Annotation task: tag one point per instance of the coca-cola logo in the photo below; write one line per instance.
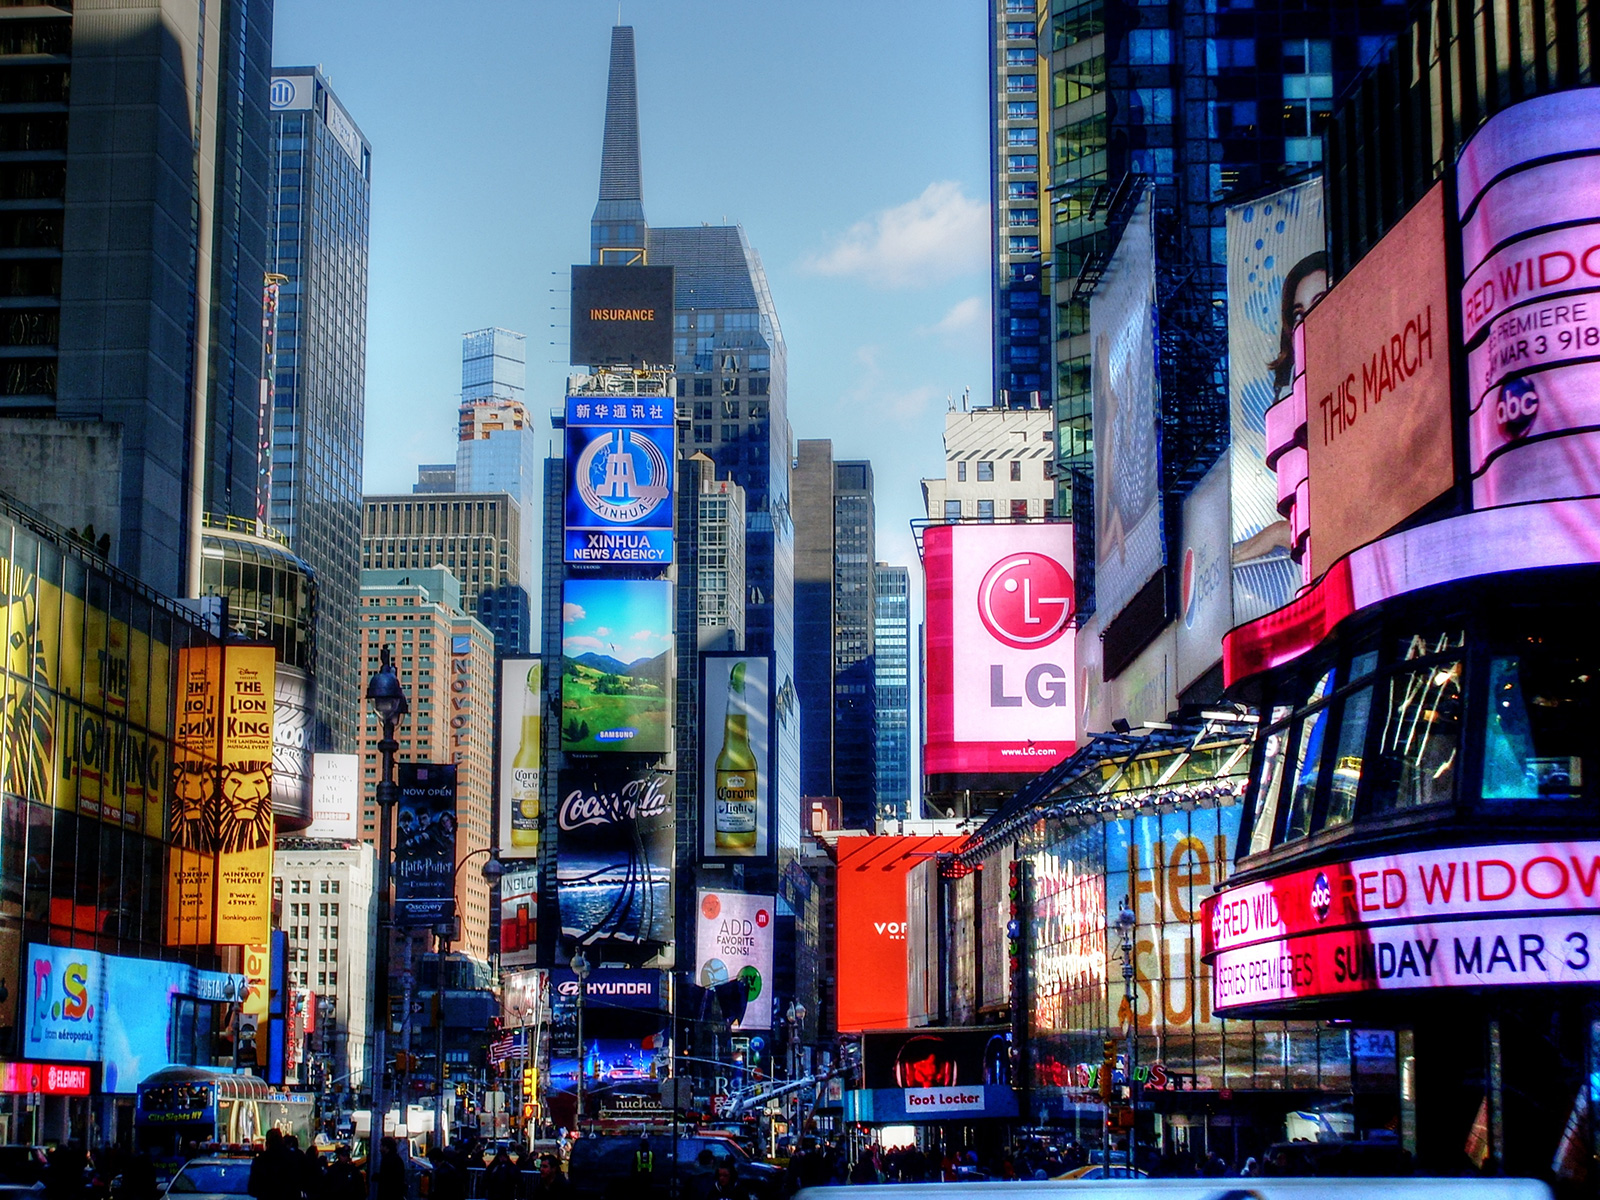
(636, 800)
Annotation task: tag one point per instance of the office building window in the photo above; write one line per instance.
(1026, 243)
(985, 510)
(1022, 56)
(1022, 84)
(759, 387)
(1222, 53)
(1022, 137)
(1022, 216)
(702, 387)
(1016, 472)
(730, 385)
(961, 472)
(1027, 189)
(952, 510)
(1021, 30)
(985, 471)
(1022, 110)
(702, 434)
(1152, 46)
(1023, 163)
(1019, 510)
(1152, 106)
(730, 433)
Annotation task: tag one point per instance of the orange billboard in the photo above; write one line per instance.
(244, 809)
(191, 871)
(219, 881)
(1377, 352)
(870, 925)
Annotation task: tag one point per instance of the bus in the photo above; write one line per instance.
(181, 1109)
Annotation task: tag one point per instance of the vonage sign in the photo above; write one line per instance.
(1000, 601)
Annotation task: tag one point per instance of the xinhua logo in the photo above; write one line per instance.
(1025, 600)
(623, 476)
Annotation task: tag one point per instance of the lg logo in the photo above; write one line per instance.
(1025, 601)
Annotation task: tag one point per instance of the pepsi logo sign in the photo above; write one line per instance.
(1187, 596)
(1026, 600)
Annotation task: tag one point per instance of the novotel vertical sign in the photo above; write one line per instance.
(1000, 601)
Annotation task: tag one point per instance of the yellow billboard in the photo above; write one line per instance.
(192, 828)
(244, 810)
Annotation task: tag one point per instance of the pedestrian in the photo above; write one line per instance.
(644, 1163)
(391, 1171)
(343, 1180)
(725, 1183)
(503, 1179)
(139, 1179)
(267, 1170)
(550, 1181)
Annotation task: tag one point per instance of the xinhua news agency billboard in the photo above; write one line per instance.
(1000, 652)
(621, 316)
(620, 456)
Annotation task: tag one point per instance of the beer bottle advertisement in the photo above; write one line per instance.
(521, 755)
(735, 784)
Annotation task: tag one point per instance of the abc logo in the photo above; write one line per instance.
(1516, 408)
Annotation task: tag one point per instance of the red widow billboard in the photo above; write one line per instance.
(1000, 601)
(871, 926)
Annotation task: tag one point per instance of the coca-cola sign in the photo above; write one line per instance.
(636, 799)
(614, 860)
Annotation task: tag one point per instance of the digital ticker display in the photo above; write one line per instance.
(619, 480)
(621, 316)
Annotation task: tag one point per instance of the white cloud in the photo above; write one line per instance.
(644, 634)
(572, 612)
(603, 631)
(967, 321)
(582, 643)
(877, 390)
(941, 234)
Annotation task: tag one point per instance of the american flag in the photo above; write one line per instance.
(508, 1047)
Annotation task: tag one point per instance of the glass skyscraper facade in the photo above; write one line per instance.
(891, 667)
(854, 618)
(1206, 103)
(494, 365)
(496, 450)
(321, 218)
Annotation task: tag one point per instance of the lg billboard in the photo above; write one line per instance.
(1000, 601)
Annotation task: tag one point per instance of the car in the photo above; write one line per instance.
(602, 1166)
(22, 1164)
(1101, 1171)
(214, 1177)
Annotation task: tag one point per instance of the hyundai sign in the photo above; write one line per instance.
(1000, 602)
(620, 457)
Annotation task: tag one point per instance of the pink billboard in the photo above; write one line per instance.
(1466, 917)
(1528, 196)
(1000, 664)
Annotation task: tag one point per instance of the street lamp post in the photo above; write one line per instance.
(580, 968)
(388, 700)
(1126, 922)
(796, 1016)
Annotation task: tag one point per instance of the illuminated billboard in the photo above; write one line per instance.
(870, 927)
(1527, 187)
(425, 846)
(1000, 647)
(335, 797)
(1483, 916)
(733, 940)
(1205, 594)
(521, 752)
(927, 1058)
(244, 828)
(1277, 268)
(621, 316)
(1129, 544)
(736, 792)
(1378, 439)
(620, 460)
(615, 843)
(191, 870)
(519, 913)
(616, 668)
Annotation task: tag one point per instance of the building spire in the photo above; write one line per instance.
(621, 190)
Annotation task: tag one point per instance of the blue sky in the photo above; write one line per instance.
(628, 623)
(847, 136)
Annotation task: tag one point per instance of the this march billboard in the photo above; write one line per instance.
(1000, 659)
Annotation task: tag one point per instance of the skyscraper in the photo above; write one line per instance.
(729, 356)
(495, 447)
(855, 609)
(1016, 198)
(321, 217)
(477, 537)
(136, 226)
(891, 665)
(836, 610)
(1204, 106)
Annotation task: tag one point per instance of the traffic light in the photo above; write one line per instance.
(461, 1091)
(402, 1061)
(528, 1078)
(1108, 1071)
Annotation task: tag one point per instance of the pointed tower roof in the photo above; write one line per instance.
(621, 189)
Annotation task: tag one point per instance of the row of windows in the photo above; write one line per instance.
(1016, 510)
(985, 467)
